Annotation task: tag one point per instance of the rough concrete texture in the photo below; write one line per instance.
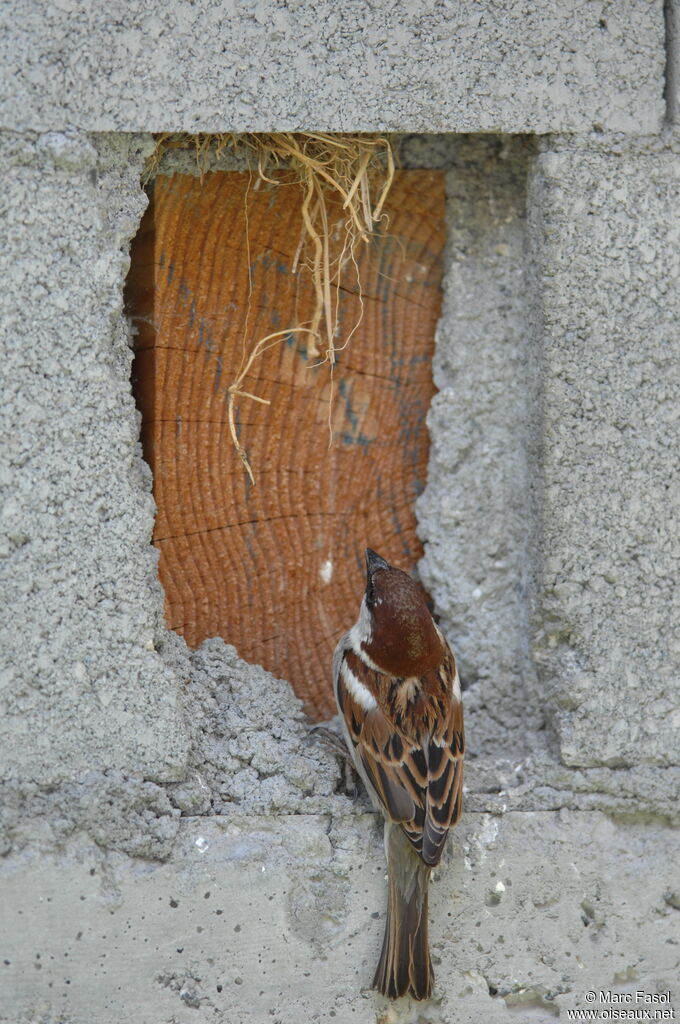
(338, 66)
(82, 687)
(478, 515)
(606, 240)
(252, 746)
(177, 847)
(672, 92)
(280, 919)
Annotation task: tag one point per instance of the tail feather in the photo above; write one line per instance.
(404, 966)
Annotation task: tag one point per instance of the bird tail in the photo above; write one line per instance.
(404, 965)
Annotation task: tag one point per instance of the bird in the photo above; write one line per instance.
(399, 698)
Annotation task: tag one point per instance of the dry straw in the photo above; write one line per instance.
(354, 170)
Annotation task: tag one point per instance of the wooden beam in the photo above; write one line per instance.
(277, 569)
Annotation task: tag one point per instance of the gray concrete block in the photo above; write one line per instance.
(479, 514)
(606, 239)
(511, 66)
(83, 688)
(281, 919)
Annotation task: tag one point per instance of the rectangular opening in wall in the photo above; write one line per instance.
(338, 455)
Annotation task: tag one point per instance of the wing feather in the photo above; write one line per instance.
(445, 785)
(416, 780)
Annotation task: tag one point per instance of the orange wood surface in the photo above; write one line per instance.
(277, 569)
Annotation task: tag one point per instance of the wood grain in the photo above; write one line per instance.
(277, 569)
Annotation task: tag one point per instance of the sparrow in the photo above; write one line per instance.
(398, 694)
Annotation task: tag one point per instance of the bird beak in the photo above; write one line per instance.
(373, 562)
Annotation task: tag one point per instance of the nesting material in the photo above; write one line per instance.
(358, 170)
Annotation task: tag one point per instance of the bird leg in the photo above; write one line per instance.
(348, 782)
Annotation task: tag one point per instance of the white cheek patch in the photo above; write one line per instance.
(362, 630)
(362, 633)
(356, 638)
(361, 694)
(456, 687)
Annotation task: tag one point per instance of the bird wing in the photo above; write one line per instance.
(442, 753)
(380, 751)
(415, 781)
(377, 748)
(445, 781)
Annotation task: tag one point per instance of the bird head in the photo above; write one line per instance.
(396, 630)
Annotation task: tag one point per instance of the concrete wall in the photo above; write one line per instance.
(176, 848)
(335, 65)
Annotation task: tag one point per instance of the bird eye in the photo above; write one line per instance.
(370, 593)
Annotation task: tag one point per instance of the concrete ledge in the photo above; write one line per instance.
(281, 919)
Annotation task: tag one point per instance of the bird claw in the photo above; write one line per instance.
(329, 738)
(349, 778)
